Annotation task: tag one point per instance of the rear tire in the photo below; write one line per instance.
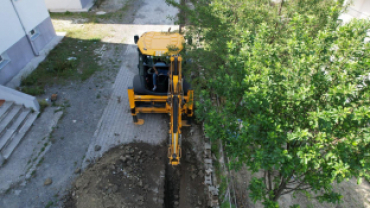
(138, 85)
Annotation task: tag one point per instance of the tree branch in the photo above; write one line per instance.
(269, 179)
(276, 24)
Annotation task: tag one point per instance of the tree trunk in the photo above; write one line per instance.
(277, 192)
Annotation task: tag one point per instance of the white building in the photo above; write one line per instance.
(25, 30)
(69, 5)
(358, 9)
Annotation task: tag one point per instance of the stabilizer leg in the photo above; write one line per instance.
(131, 98)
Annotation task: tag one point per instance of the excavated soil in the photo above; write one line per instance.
(137, 175)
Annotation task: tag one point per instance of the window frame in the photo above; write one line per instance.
(35, 35)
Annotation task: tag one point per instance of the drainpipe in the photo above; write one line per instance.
(34, 50)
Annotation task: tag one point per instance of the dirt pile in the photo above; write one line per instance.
(138, 175)
(126, 176)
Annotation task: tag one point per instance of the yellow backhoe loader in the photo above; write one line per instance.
(165, 92)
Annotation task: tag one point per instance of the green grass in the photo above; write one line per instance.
(33, 90)
(80, 42)
(56, 69)
(40, 162)
(8, 191)
(49, 204)
(42, 103)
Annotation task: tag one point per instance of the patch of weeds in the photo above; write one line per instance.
(61, 138)
(61, 66)
(227, 204)
(40, 161)
(98, 96)
(215, 150)
(57, 110)
(28, 169)
(66, 104)
(34, 159)
(33, 90)
(49, 204)
(42, 149)
(310, 205)
(46, 144)
(56, 195)
(75, 163)
(43, 104)
(33, 173)
(8, 191)
(29, 161)
(62, 116)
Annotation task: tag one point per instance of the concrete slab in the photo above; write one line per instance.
(29, 151)
(19, 98)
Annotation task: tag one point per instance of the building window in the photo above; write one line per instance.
(4, 60)
(34, 34)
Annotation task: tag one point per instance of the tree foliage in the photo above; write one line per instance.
(297, 80)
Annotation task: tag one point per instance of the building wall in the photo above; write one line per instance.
(46, 34)
(11, 30)
(365, 9)
(32, 13)
(20, 46)
(84, 3)
(359, 8)
(19, 54)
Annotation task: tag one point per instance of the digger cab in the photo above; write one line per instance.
(156, 48)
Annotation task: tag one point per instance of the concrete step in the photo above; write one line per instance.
(9, 118)
(12, 145)
(12, 130)
(4, 108)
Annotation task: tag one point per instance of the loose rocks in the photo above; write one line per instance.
(48, 181)
(97, 147)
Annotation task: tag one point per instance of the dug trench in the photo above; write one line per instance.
(138, 175)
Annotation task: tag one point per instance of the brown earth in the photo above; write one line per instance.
(126, 176)
(137, 175)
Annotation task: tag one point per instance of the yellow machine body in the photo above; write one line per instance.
(160, 43)
(176, 102)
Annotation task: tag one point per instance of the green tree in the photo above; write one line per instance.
(298, 81)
